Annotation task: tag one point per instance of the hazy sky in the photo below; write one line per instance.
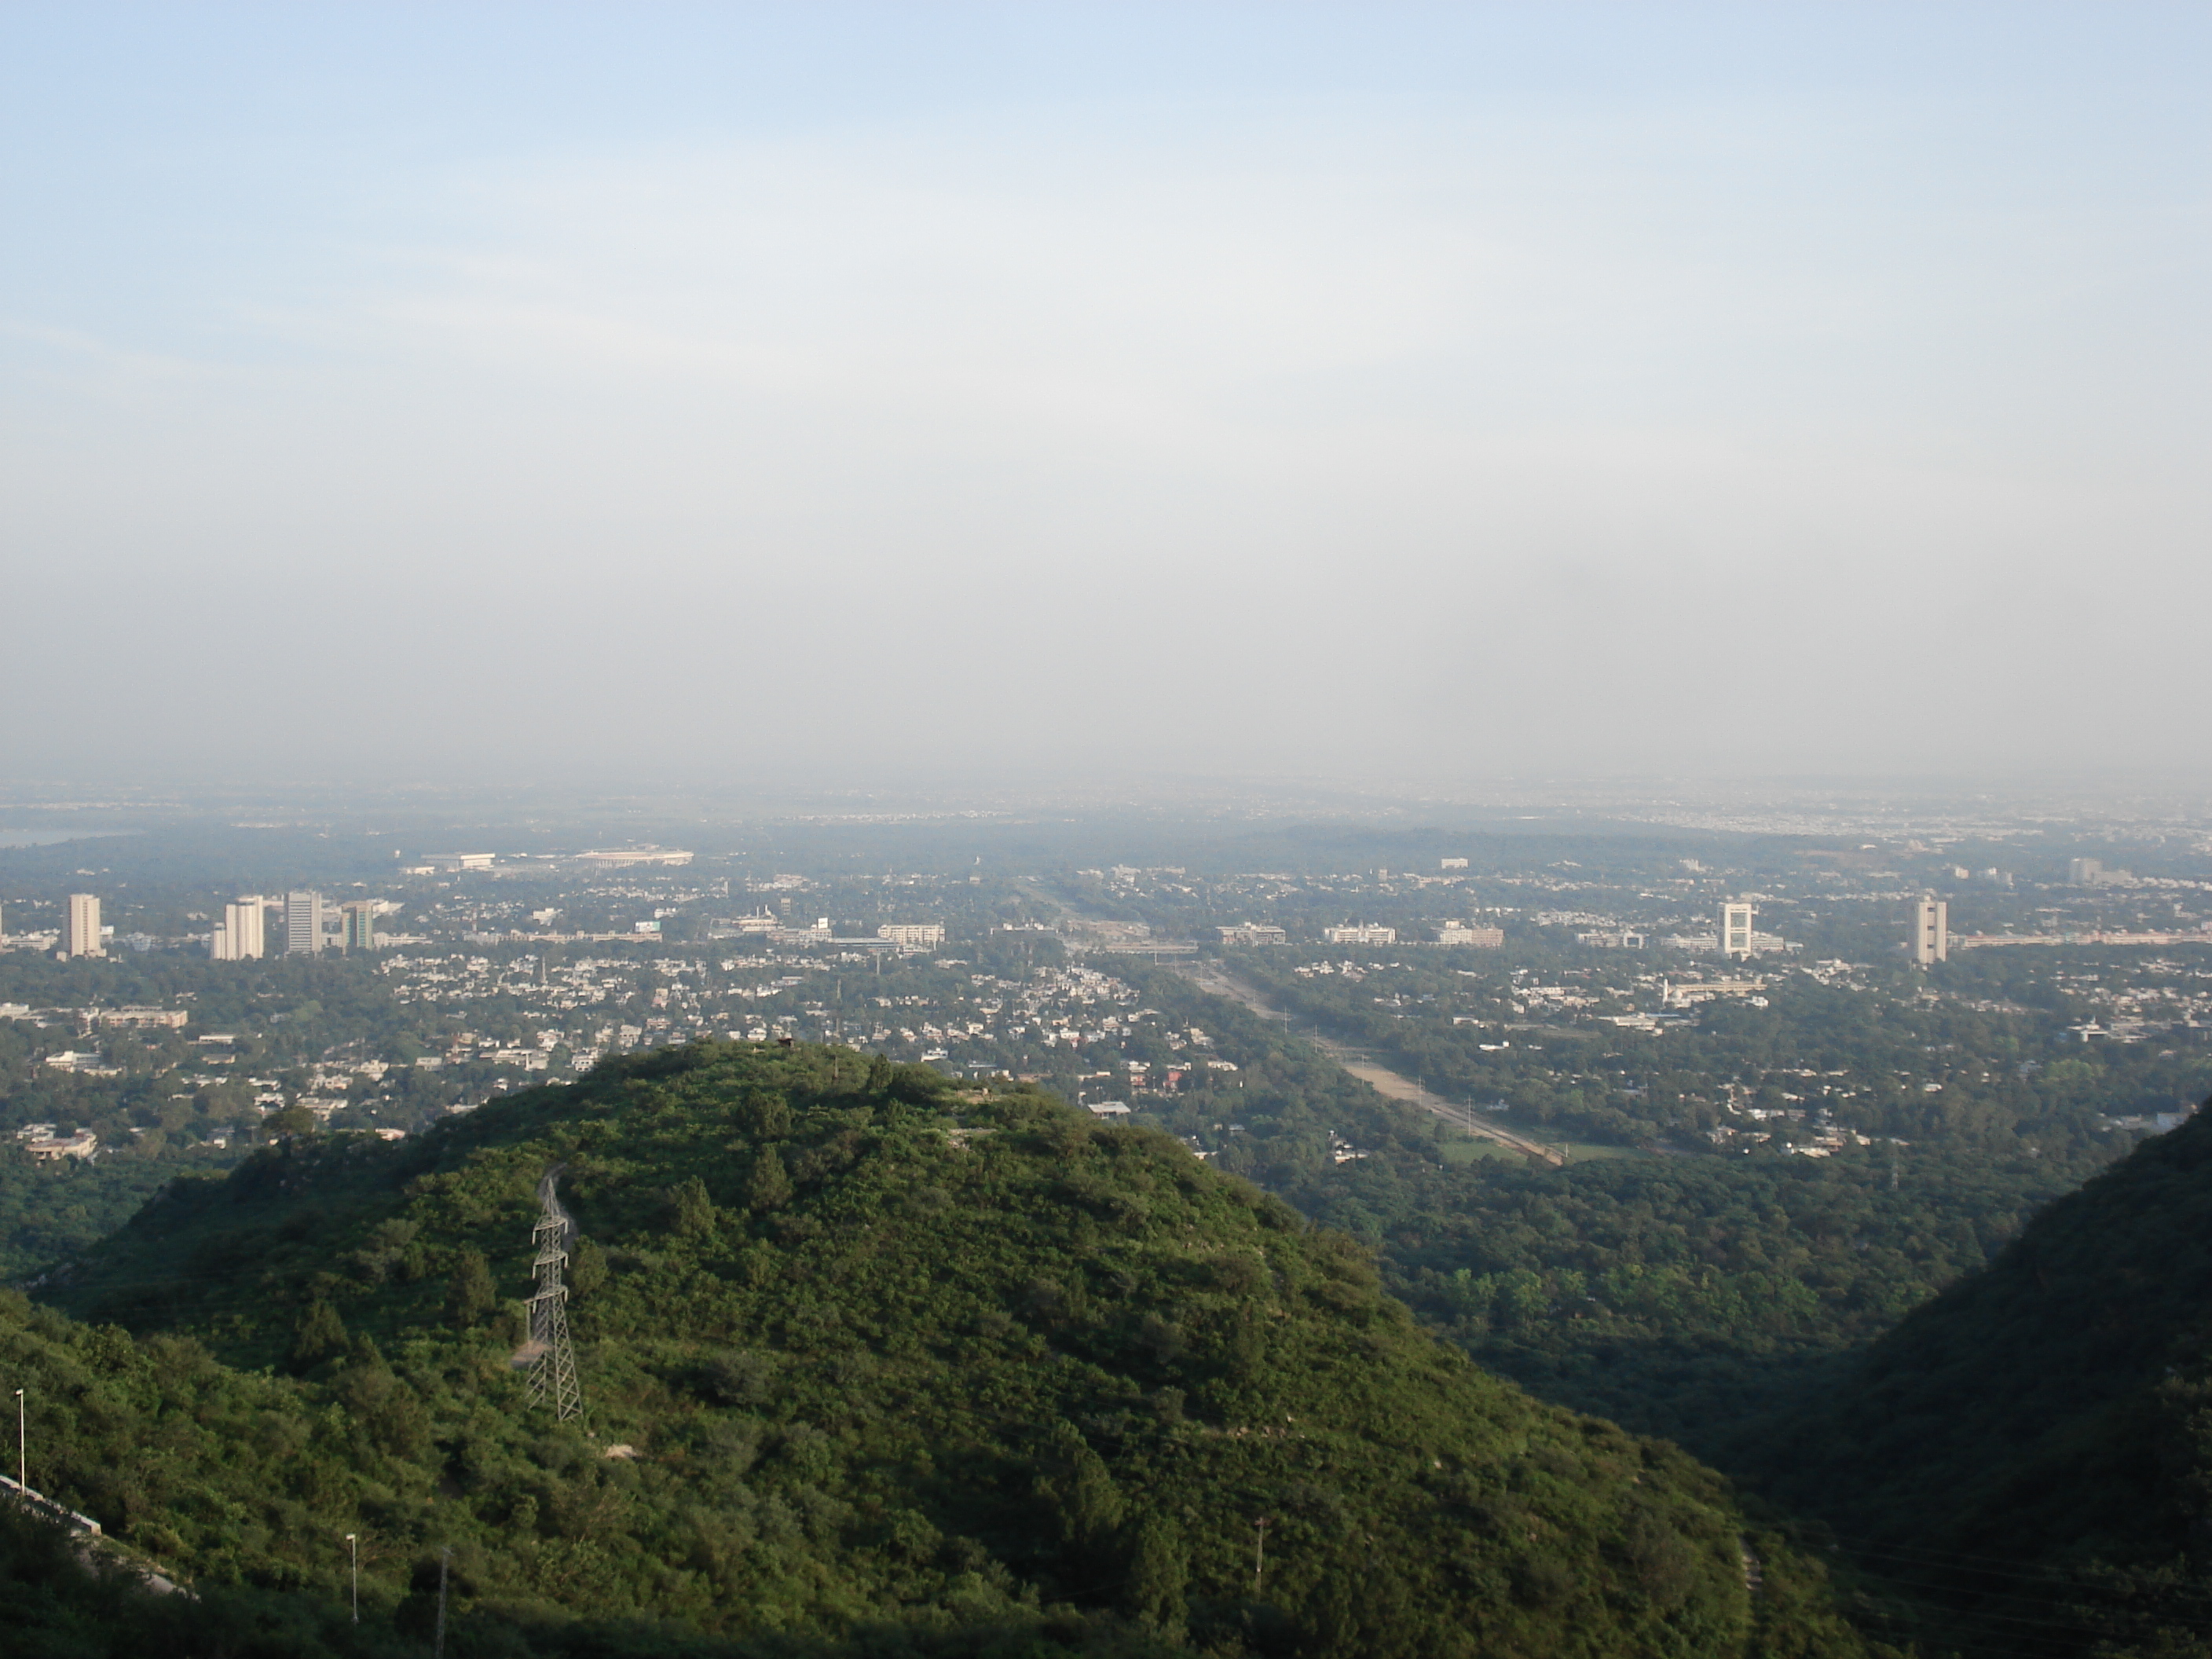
(1368, 391)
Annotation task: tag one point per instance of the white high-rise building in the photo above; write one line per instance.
(248, 922)
(1736, 937)
(1931, 932)
(80, 926)
(303, 924)
(242, 935)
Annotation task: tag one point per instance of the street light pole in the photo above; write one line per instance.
(353, 1544)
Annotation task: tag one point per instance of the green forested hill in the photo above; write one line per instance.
(2031, 1452)
(857, 1349)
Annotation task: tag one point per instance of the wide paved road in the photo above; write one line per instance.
(1212, 976)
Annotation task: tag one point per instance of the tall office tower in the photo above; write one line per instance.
(303, 924)
(2084, 872)
(80, 927)
(247, 920)
(1735, 930)
(360, 924)
(242, 936)
(1931, 932)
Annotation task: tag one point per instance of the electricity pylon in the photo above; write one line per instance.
(553, 1361)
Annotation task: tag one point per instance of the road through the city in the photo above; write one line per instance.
(1213, 977)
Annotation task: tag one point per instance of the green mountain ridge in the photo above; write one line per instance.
(859, 1351)
(2028, 1456)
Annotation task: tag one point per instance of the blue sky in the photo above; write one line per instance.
(1384, 393)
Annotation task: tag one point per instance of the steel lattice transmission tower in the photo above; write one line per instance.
(552, 1361)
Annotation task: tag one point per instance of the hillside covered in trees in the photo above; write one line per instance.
(2028, 1456)
(858, 1349)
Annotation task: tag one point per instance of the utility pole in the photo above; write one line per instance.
(1260, 1555)
(444, 1556)
(22, 1454)
(353, 1544)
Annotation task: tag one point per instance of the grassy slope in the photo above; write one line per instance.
(870, 1373)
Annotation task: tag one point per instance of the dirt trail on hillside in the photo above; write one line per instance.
(1213, 977)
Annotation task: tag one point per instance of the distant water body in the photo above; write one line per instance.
(51, 837)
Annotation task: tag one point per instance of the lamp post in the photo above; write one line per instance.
(353, 1546)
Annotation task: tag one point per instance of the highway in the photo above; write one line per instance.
(1212, 978)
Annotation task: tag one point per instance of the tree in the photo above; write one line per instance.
(694, 1208)
(1079, 1487)
(470, 1295)
(769, 1186)
(587, 1268)
(319, 1335)
(1157, 1573)
(293, 1119)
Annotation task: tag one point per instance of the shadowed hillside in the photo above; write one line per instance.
(2030, 1453)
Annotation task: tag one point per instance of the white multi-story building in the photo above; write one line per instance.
(1365, 934)
(912, 935)
(242, 934)
(1931, 932)
(173, 1019)
(1612, 939)
(80, 926)
(1736, 937)
(303, 924)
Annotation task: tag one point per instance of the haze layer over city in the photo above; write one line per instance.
(1215, 831)
(1383, 393)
